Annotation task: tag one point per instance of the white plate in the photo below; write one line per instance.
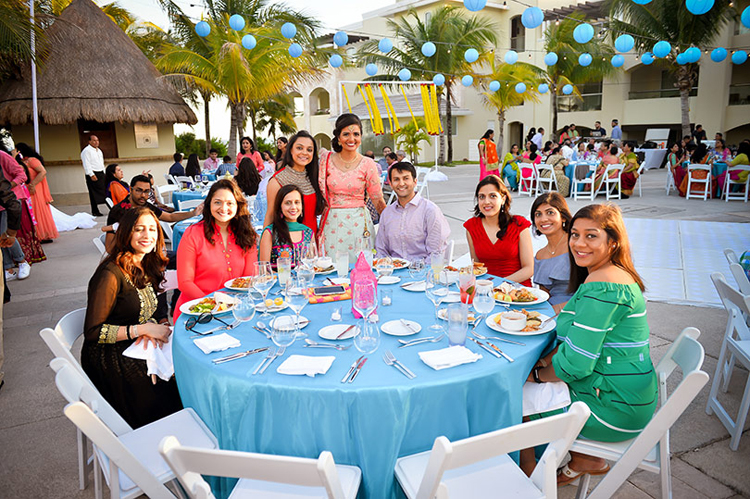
(406, 263)
(228, 284)
(185, 308)
(541, 297)
(395, 328)
(389, 279)
(327, 272)
(416, 288)
(339, 281)
(480, 275)
(261, 307)
(443, 314)
(286, 322)
(333, 331)
(453, 297)
(490, 321)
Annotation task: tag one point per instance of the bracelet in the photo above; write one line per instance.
(127, 331)
(135, 331)
(535, 375)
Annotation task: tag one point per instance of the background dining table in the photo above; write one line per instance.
(181, 196)
(369, 423)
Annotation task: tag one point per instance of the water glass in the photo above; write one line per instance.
(284, 330)
(364, 245)
(284, 268)
(368, 339)
(416, 268)
(342, 263)
(484, 300)
(309, 255)
(384, 267)
(306, 275)
(244, 309)
(457, 323)
(436, 262)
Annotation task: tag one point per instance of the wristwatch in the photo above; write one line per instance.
(535, 374)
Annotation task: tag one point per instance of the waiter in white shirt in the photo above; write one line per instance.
(93, 165)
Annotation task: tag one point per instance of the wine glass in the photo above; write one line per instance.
(365, 298)
(205, 180)
(416, 268)
(368, 339)
(244, 309)
(436, 291)
(297, 299)
(263, 281)
(309, 255)
(283, 331)
(384, 267)
(484, 301)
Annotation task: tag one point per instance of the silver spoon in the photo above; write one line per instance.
(315, 344)
(495, 338)
(421, 341)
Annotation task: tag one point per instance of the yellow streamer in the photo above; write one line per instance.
(436, 109)
(416, 125)
(387, 109)
(343, 87)
(426, 106)
(395, 125)
(367, 105)
(375, 111)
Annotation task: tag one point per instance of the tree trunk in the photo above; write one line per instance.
(553, 132)
(500, 133)
(685, 83)
(206, 119)
(252, 124)
(449, 119)
(441, 138)
(235, 122)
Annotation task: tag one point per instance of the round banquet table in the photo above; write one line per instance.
(180, 196)
(368, 423)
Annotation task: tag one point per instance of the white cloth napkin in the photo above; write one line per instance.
(448, 357)
(297, 365)
(216, 343)
(542, 397)
(158, 360)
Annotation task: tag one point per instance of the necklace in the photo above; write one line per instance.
(348, 163)
(556, 246)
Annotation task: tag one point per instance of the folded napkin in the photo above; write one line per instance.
(448, 357)
(297, 365)
(216, 343)
(542, 397)
(158, 360)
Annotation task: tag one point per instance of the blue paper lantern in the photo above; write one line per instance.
(693, 54)
(532, 17)
(739, 57)
(583, 33)
(438, 80)
(371, 69)
(718, 54)
(249, 42)
(624, 43)
(543, 88)
(568, 89)
(494, 86)
(335, 61)
(295, 50)
(520, 88)
(202, 28)
(745, 18)
(475, 5)
(340, 38)
(642, 2)
(511, 57)
(585, 59)
(681, 59)
(288, 30)
(550, 59)
(385, 45)
(404, 75)
(237, 22)
(467, 80)
(428, 49)
(699, 7)
(647, 58)
(662, 49)
(618, 61)
(471, 55)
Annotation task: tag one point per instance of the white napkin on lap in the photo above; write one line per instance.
(158, 360)
(216, 342)
(542, 397)
(448, 357)
(297, 365)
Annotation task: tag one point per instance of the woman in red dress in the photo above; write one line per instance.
(498, 239)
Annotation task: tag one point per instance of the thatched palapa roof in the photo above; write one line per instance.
(93, 72)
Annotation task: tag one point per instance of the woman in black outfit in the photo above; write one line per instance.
(247, 177)
(193, 167)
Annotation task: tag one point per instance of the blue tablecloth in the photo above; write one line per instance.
(369, 423)
(179, 228)
(180, 196)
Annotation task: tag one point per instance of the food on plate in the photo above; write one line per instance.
(450, 268)
(533, 320)
(512, 321)
(278, 301)
(509, 293)
(241, 282)
(323, 269)
(397, 263)
(479, 268)
(205, 305)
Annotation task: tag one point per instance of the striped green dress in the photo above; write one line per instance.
(603, 356)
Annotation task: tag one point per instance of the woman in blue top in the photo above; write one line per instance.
(286, 232)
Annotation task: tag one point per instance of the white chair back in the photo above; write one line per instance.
(741, 194)
(183, 179)
(189, 204)
(638, 182)
(528, 183)
(163, 190)
(706, 182)
(613, 185)
(737, 271)
(99, 244)
(546, 177)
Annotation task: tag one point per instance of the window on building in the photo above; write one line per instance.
(517, 34)
(590, 99)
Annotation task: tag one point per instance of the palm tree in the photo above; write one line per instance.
(274, 114)
(15, 41)
(671, 21)
(409, 138)
(506, 97)
(559, 39)
(453, 33)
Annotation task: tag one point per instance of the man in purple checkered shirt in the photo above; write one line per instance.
(412, 227)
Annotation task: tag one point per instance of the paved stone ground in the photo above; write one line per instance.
(37, 443)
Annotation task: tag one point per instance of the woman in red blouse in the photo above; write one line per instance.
(498, 239)
(221, 247)
(247, 150)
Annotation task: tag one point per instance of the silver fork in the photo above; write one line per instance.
(422, 340)
(279, 353)
(389, 357)
(270, 354)
(314, 344)
(389, 362)
(219, 328)
(495, 338)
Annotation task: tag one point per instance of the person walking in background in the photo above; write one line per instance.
(488, 160)
(616, 131)
(537, 138)
(92, 159)
(39, 190)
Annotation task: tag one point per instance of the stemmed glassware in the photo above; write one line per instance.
(263, 281)
(365, 302)
(297, 299)
(384, 267)
(309, 255)
(436, 291)
(416, 268)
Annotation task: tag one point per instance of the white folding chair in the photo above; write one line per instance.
(129, 458)
(528, 183)
(163, 192)
(728, 183)
(261, 475)
(650, 449)
(638, 182)
(736, 344)
(189, 204)
(612, 186)
(582, 193)
(737, 271)
(423, 187)
(670, 179)
(166, 227)
(99, 242)
(546, 177)
(706, 182)
(479, 466)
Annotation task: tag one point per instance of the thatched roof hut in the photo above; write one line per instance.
(94, 72)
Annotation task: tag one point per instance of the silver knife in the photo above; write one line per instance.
(411, 283)
(351, 369)
(495, 338)
(408, 326)
(406, 369)
(506, 357)
(238, 355)
(357, 370)
(485, 347)
(415, 342)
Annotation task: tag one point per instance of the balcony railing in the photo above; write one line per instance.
(739, 94)
(664, 93)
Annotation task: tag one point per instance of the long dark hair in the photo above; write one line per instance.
(240, 225)
(609, 218)
(279, 153)
(312, 167)
(247, 177)
(532, 151)
(555, 200)
(252, 145)
(151, 270)
(532, 132)
(504, 217)
(280, 227)
(109, 177)
(700, 152)
(343, 121)
(744, 148)
(193, 166)
(488, 133)
(28, 152)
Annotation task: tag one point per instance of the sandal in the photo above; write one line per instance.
(567, 475)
